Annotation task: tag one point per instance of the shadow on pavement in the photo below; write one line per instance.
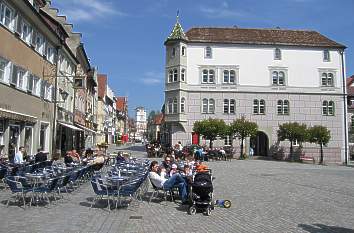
(320, 228)
(134, 148)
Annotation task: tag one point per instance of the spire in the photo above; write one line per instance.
(177, 31)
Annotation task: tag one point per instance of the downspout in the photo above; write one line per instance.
(344, 109)
(54, 132)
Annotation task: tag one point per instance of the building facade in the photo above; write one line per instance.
(268, 76)
(27, 63)
(141, 123)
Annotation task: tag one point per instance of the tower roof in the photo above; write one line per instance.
(177, 32)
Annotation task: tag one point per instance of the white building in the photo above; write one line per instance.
(269, 76)
(141, 123)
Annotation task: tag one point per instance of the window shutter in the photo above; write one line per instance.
(14, 75)
(18, 21)
(45, 47)
(43, 87)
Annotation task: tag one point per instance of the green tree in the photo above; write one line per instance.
(293, 132)
(210, 129)
(320, 135)
(243, 128)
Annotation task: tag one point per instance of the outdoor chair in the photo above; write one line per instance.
(49, 187)
(17, 189)
(157, 191)
(101, 190)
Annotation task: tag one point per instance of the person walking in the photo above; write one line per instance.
(251, 152)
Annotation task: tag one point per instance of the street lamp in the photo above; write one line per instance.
(64, 95)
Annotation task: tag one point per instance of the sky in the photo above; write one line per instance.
(124, 39)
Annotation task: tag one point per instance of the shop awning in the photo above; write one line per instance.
(70, 126)
(86, 129)
(16, 115)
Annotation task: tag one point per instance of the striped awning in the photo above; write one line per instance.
(8, 114)
(86, 129)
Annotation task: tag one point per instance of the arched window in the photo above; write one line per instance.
(205, 106)
(330, 80)
(226, 76)
(226, 106)
(211, 76)
(205, 76)
(283, 107)
(211, 105)
(324, 79)
(175, 105)
(325, 108)
(170, 106)
(280, 107)
(286, 107)
(281, 78)
(170, 76)
(261, 107)
(277, 54)
(255, 106)
(275, 77)
(183, 104)
(208, 52)
(183, 75)
(232, 76)
(331, 108)
(175, 75)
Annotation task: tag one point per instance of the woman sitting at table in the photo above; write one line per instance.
(68, 160)
(160, 181)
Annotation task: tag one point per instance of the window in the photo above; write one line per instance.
(183, 75)
(211, 106)
(39, 43)
(278, 78)
(50, 53)
(183, 104)
(173, 52)
(205, 106)
(327, 79)
(208, 106)
(6, 16)
(227, 141)
(175, 75)
(36, 86)
(170, 106)
(208, 52)
(326, 56)
(19, 78)
(208, 76)
(183, 51)
(229, 76)
(26, 32)
(170, 76)
(328, 108)
(43, 88)
(283, 107)
(277, 54)
(258, 106)
(4, 70)
(49, 92)
(175, 105)
(229, 106)
(30, 83)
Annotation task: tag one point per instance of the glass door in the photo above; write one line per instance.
(29, 139)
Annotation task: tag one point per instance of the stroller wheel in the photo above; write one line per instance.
(208, 211)
(192, 210)
(227, 204)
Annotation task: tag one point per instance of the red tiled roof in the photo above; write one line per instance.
(260, 36)
(102, 85)
(158, 119)
(121, 103)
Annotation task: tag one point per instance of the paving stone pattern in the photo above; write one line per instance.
(266, 196)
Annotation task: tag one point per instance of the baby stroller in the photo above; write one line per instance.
(201, 193)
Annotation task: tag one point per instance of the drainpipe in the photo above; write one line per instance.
(54, 132)
(344, 108)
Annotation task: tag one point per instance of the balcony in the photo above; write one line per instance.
(176, 86)
(176, 117)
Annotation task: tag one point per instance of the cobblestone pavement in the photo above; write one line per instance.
(266, 196)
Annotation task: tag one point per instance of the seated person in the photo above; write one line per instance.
(160, 181)
(167, 164)
(75, 156)
(99, 158)
(187, 171)
(56, 161)
(173, 169)
(120, 157)
(40, 156)
(68, 160)
(88, 153)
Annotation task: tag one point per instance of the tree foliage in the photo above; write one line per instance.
(293, 132)
(320, 135)
(210, 129)
(243, 128)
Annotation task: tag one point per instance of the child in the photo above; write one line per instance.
(173, 169)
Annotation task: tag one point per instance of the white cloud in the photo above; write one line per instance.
(88, 10)
(152, 78)
(222, 11)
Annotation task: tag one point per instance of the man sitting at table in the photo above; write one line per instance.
(160, 181)
(19, 156)
(40, 156)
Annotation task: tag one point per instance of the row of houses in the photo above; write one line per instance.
(269, 76)
(51, 96)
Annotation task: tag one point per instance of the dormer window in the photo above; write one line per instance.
(208, 52)
(183, 51)
(326, 56)
(277, 54)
